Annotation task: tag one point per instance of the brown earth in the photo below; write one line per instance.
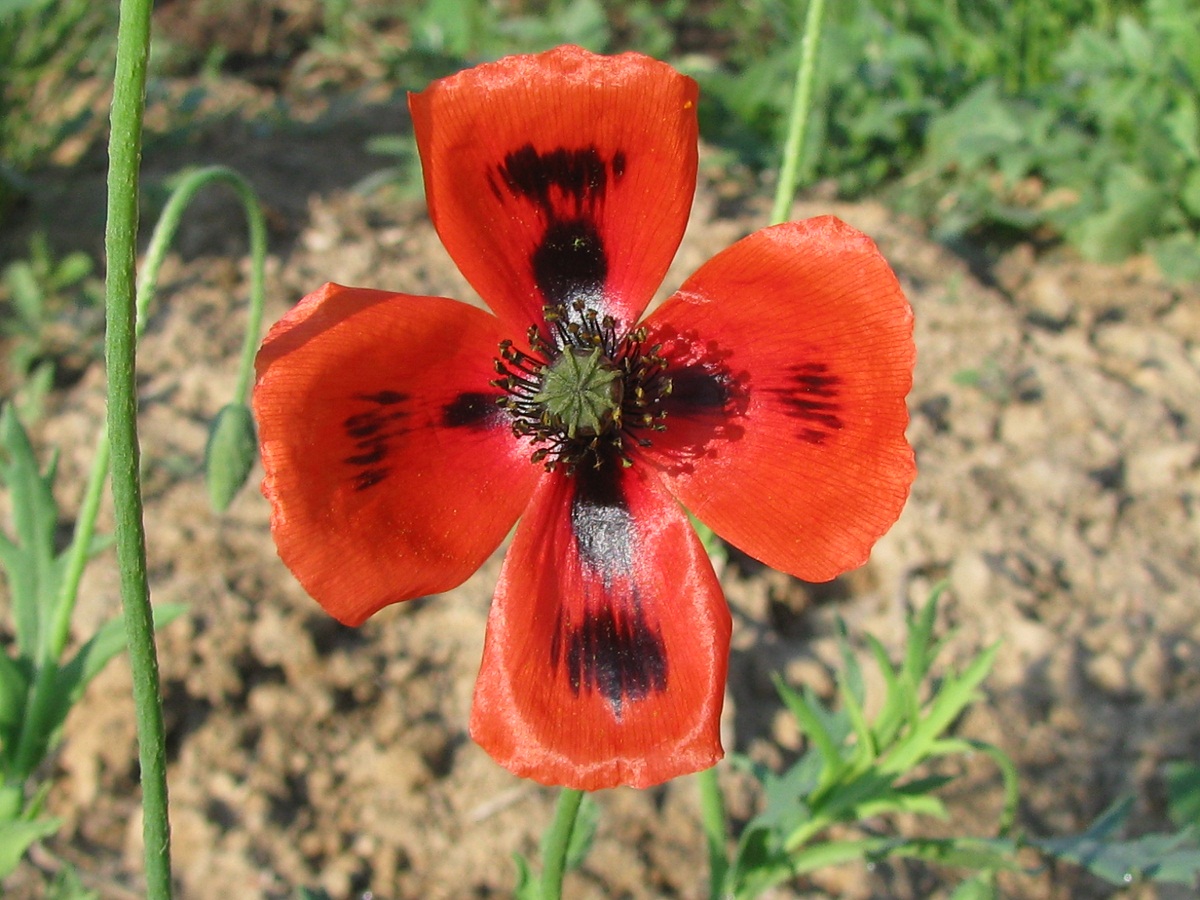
(1054, 415)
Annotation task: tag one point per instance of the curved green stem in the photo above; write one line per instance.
(712, 817)
(557, 841)
(793, 148)
(164, 236)
(125, 143)
(147, 286)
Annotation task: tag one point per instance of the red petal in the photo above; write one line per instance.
(559, 177)
(391, 472)
(790, 354)
(608, 640)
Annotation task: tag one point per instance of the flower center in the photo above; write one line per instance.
(582, 395)
(581, 392)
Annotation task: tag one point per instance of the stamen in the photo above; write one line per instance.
(578, 393)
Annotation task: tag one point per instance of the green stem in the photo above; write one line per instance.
(712, 816)
(160, 242)
(124, 153)
(164, 237)
(558, 839)
(793, 148)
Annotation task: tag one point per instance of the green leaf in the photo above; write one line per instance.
(587, 818)
(16, 837)
(978, 887)
(895, 705)
(67, 886)
(1177, 255)
(73, 678)
(1163, 858)
(229, 454)
(32, 574)
(1133, 207)
(528, 887)
(1183, 794)
(965, 853)
(815, 722)
(103, 646)
(14, 689)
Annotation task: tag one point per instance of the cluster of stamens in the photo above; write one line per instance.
(583, 391)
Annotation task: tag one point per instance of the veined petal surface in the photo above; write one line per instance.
(560, 177)
(608, 640)
(791, 354)
(390, 471)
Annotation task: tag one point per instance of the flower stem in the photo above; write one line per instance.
(712, 816)
(164, 237)
(793, 148)
(557, 841)
(124, 153)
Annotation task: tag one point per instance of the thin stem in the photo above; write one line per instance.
(164, 237)
(712, 816)
(80, 549)
(124, 153)
(161, 240)
(558, 839)
(793, 148)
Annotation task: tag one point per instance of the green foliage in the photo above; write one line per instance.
(857, 769)
(67, 886)
(1107, 154)
(54, 309)
(49, 49)
(1183, 794)
(1159, 858)
(37, 688)
(1064, 119)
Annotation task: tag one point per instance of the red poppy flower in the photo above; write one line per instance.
(403, 436)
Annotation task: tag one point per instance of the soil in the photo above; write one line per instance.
(1054, 416)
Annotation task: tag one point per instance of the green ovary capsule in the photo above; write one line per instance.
(581, 392)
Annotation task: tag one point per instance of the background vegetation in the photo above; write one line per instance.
(1072, 121)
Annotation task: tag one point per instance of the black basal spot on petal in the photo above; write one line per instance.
(570, 264)
(471, 410)
(617, 654)
(695, 390)
(613, 650)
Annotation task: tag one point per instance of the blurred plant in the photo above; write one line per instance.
(50, 51)
(1107, 154)
(37, 687)
(55, 311)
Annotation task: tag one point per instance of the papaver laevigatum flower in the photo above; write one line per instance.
(403, 436)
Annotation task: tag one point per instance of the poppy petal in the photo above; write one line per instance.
(790, 355)
(390, 470)
(608, 640)
(560, 177)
